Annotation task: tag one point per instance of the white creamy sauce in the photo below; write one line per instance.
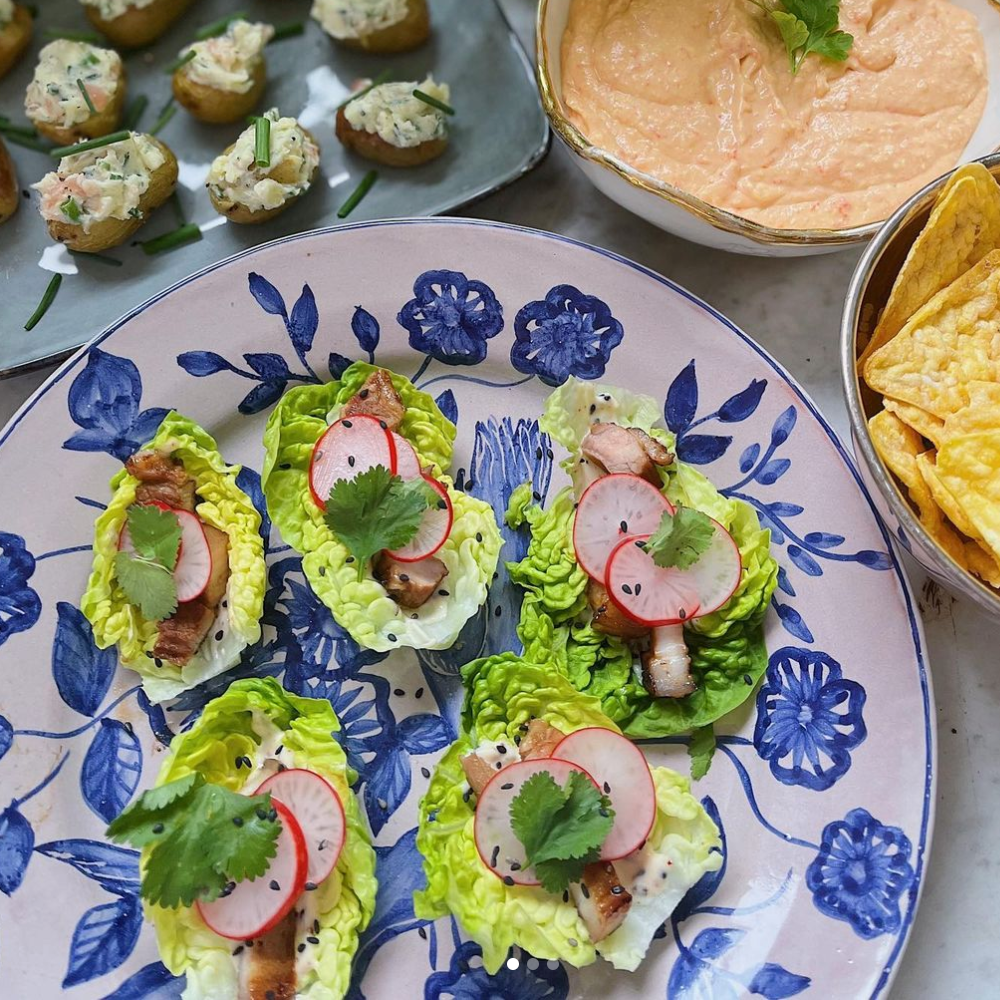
(57, 259)
(489, 753)
(326, 92)
(644, 872)
(192, 175)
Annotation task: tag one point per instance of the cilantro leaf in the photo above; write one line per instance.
(155, 534)
(202, 836)
(809, 26)
(148, 585)
(562, 829)
(376, 510)
(701, 750)
(681, 539)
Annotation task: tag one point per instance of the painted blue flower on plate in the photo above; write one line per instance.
(20, 605)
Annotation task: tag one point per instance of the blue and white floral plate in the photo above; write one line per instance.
(823, 783)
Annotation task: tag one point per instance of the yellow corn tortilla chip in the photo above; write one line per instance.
(963, 227)
(969, 467)
(981, 414)
(982, 562)
(950, 342)
(943, 497)
(924, 423)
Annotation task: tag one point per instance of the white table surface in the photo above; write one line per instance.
(792, 307)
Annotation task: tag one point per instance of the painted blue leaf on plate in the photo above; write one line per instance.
(743, 404)
(387, 786)
(261, 397)
(365, 328)
(111, 769)
(780, 509)
(823, 539)
(151, 982)
(792, 621)
(338, 364)
(874, 560)
(775, 982)
(16, 841)
(750, 455)
(82, 672)
(773, 471)
(447, 405)
(157, 719)
(268, 297)
(103, 939)
(714, 942)
(115, 869)
(248, 480)
(682, 399)
(804, 561)
(203, 363)
(425, 733)
(783, 427)
(6, 735)
(20, 605)
(701, 449)
(270, 367)
(784, 584)
(303, 322)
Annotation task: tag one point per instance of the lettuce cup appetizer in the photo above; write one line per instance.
(258, 872)
(354, 477)
(394, 123)
(544, 827)
(645, 584)
(77, 91)
(269, 167)
(131, 24)
(16, 28)
(380, 26)
(221, 79)
(178, 578)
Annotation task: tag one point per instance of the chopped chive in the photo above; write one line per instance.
(217, 27)
(175, 201)
(188, 233)
(29, 142)
(47, 299)
(101, 258)
(168, 112)
(378, 81)
(287, 30)
(180, 61)
(7, 127)
(433, 102)
(359, 192)
(81, 147)
(73, 36)
(86, 96)
(70, 209)
(262, 142)
(135, 111)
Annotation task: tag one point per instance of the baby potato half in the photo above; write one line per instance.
(9, 195)
(15, 37)
(132, 26)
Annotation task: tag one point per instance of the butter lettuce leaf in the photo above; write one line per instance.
(222, 504)
(252, 719)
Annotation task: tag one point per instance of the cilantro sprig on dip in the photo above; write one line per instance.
(808, 27)
(146, 575)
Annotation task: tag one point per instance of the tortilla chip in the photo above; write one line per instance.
(982, 562)
(962, 229)
(943, 497)
(981, 414)
(969, 467)
(951, 341)
(925, 424)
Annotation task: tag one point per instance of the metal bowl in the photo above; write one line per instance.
(687, 216)
(866, 297)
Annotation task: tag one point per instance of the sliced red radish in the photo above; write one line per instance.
(407, 463)
(496, 842)
(656, 596)
(621, 772)
(317, 809)
(194, 557)
(614, 506)
(346, 449)
(253, 907)
(434, 527)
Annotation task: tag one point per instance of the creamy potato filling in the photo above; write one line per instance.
(392, 112)
(102, 183)
(357, 18)
(6, 12)
(294, 156)
(229, 61)
(110, 9)
(54, 94)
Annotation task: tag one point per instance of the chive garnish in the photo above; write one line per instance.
(262, 142)
(433, 102)
(135, 111)
(180, 61)
(73, 36)
(168, 112)
(47, 299)
(378, 81)
(99, 257)
(86, 96)
(7, 127)
(217, 27)
(29, 142)
(287, 30)
(359, 192)
(175, 202)
(188, 233)
(81, 147)
(70, 209)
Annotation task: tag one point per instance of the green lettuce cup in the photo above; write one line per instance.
(363, 607)
(221, 504)
(256, 719)
(503, 694)
(727, 650)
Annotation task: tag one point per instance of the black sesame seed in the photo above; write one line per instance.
(607, 788)
(593, 407)
(466, 795)
(682, 614)
(322, 571)
(414, 615)
(383, 425)
(584, 890)
(494, 856)
(158, 828)
(225, 604)
(347, 423)
(238, 763)
(515, 866)
(538, 452)
(501, 749)
(422, 932)
(479, 536)
(404, 577)
(281, 746)
(149, 653)
(626, 589)
(282, 767)
(272, 815)
(468, 486)
(419, 693)
(301, 948)
(507, 786)
(273, 884)
(638, 589)
(219, 635)
(617, 890)
(157, 662)
(237, 821)
(363, 394)
(238, 950)
(497, 611)
(639, 544)
(442, 505)
(391, 637)
(536, 496)
(285, 466)
(349, 559)
(507, 880)
(444, 593)
(548, 453)
(351, 460)
(624, 526)
(572, 942)
(312, 939)
(499, 765)
(249, 944)
(310, 886)
(425, 772)
(261, 813)
(398, 692)
(603, 812)
(747, 680)
(566, 895)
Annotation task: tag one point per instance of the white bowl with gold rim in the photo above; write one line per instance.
(690, 217)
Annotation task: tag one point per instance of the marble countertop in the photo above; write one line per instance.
(792, 307)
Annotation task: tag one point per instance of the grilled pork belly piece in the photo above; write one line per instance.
(608, 617)
(625, 449)
(601, 900)
(162, 480)
(180, 635)
(409, 584)
(377, 398)
(666, 665)
(268, 968)
(539, 740)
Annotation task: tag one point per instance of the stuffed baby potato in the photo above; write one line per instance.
(77, 92)
(246, 192)
(16, 28)
(98, 198)
(224, 77)
(133, 23)
(9, 196)
(381, 26)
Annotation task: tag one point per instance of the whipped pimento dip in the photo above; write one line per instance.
(699, 93)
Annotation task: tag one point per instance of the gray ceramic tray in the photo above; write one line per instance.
(499, 133)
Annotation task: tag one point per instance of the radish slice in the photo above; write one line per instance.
(654, 596)
(614, 506)
(496, 842)
(317, 809)
(434, 528)
(252, 908)
(621, 772)
(194, 558)
(346, 449)
(407, 463)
